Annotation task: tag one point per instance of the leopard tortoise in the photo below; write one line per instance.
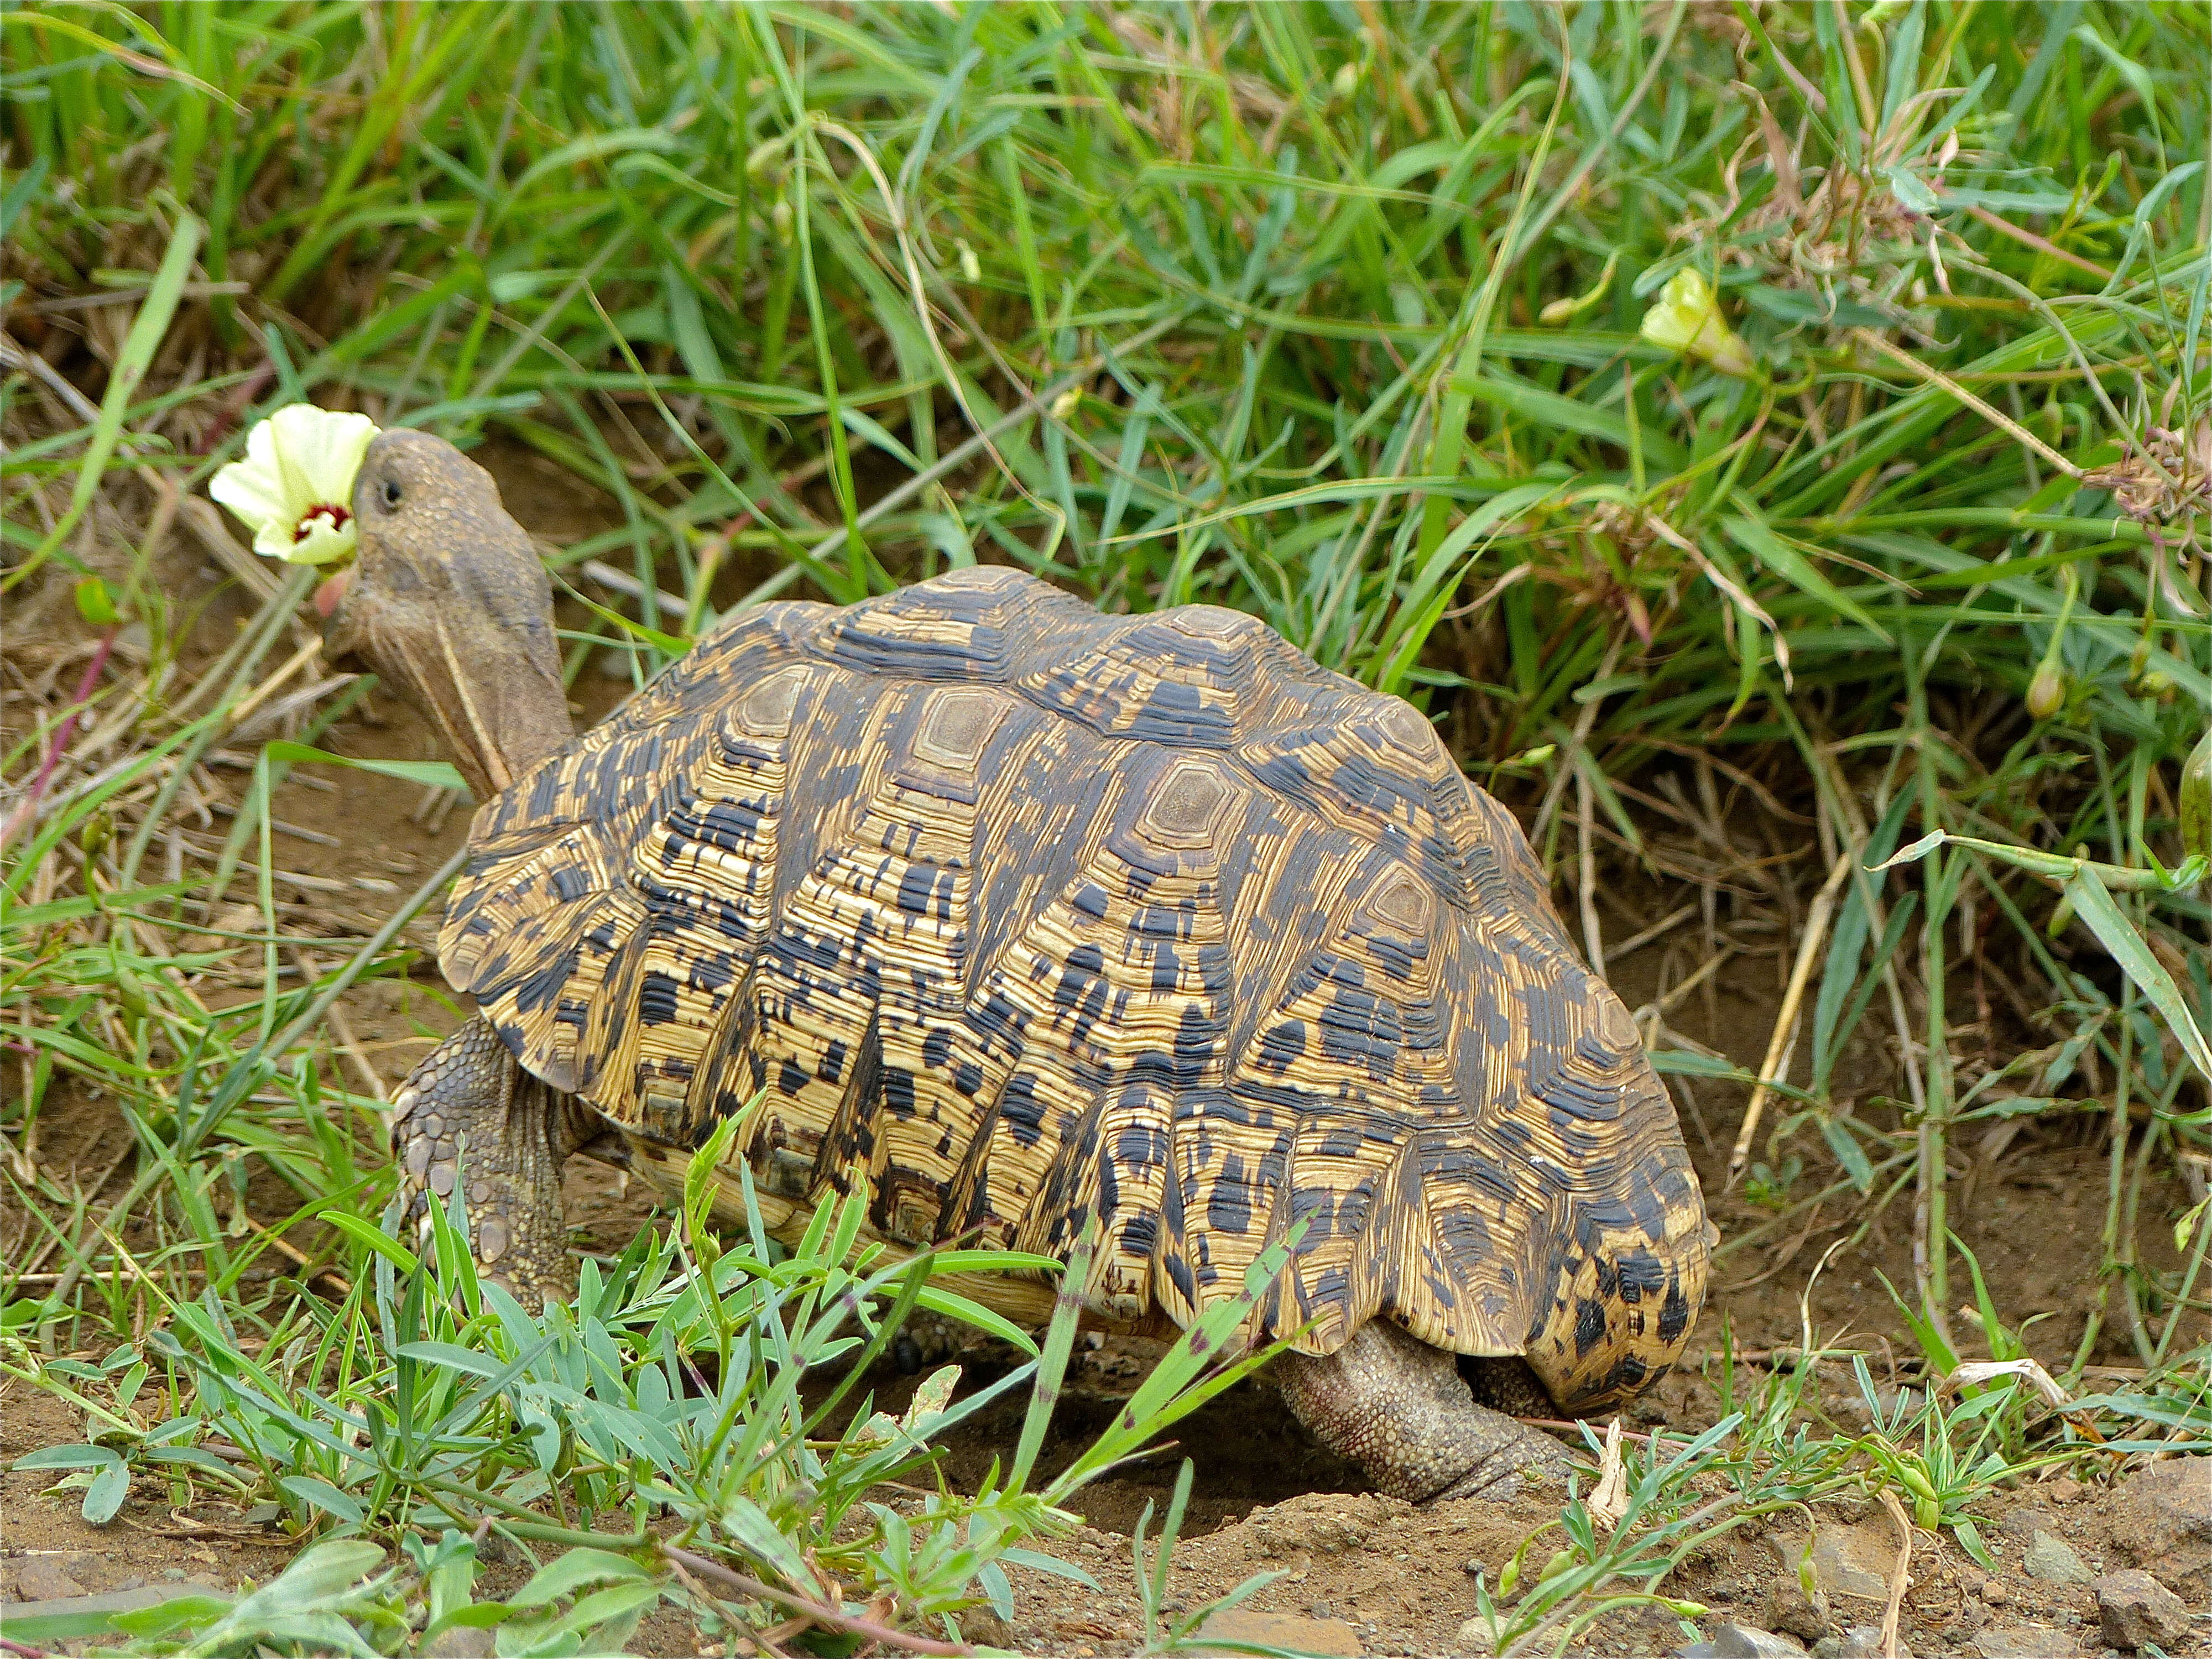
(1038, 916)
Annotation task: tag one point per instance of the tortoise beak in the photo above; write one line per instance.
(449, 604)
(328, 595)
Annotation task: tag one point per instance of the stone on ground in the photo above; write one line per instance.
(1855, 1561)
(1859, 1641)
(2027, 1642)
(2161, 1519)
(1327, 1637)
(1743, 1642)
(2053, 1560)
(2136, 1609)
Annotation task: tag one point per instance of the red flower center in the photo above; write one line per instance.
(337, 516)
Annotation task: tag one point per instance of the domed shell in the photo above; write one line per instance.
(1038, 916)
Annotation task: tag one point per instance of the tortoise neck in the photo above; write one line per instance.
(515, 721)
(499, 718)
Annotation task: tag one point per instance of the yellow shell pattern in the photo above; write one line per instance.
(1038, 915)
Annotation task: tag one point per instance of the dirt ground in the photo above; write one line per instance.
(1358, 1573)
(1353, 1573)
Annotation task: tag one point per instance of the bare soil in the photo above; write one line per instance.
(1357, 1572)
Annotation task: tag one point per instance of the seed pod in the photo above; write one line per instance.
(131, 994)
(2046, 692)
(2197, 800)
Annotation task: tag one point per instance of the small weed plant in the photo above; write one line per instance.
(671, 1435)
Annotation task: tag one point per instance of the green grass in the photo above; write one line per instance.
(1245, 305)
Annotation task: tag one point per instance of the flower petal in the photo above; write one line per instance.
(322, 544)
(253, 493)
(273, 540)
(322, 449)
(299, 459)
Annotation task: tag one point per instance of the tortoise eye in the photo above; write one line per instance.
(389, 492)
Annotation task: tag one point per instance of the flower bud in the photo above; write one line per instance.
(1345, 82)
(1688, 319)
(2046, 692)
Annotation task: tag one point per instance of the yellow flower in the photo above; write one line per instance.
(295, 488)
(1687, 318)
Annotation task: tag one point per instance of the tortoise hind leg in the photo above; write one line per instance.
(1399, 1409)
(469, 1115)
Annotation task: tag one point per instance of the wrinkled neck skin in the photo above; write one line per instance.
(499, 707)
(450, 606)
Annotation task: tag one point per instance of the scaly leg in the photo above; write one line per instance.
(518, 1133)
(1399, 1409)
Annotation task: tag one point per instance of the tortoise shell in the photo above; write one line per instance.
(1035, 915)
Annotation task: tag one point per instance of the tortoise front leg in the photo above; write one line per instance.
(1399, 1409)
(470, 1115)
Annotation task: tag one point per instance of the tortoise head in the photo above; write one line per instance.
(448, 603)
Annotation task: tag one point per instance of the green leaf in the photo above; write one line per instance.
(1052, 1361)
(2093, 903)
(195, 1608)
(147, 329)
(1550, 409)
(368, 1233)
(476, 1615)
(1969, 1540)
(1849, 1154)
(574, 1572)
(448, 1356)
(67, 1457)
(94, 602)
(105, 1496)
(71, 1624)
(431, 775)
(751, 1527)
(2187, 1225)
(321, 1495)
(1757, 539)
(951, 1305)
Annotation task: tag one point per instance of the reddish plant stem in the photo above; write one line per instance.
(21, 815)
